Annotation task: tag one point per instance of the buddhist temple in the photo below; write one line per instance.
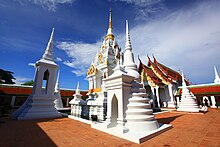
(160, 81)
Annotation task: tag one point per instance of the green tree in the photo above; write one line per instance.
(29, 83)
(6, 77)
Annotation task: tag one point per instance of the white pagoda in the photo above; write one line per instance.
(58, 101)
(40, 104)
(102, 67)
(188, 100)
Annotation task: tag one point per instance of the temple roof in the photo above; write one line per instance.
(150, 73)
(159, 73)
(8, 89)
(202, 90)
(172, 74)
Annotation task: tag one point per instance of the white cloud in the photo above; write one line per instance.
(31, 64)
(186, 39)
(146, 10)
(141, 2)
(81, 55)
(58, 59)
(49, 5)
(21, 80)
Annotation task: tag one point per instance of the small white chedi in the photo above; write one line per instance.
(188, 100)
(40, 104)
(129, 114)
(58, 101)
(78, 106)
(217, 79)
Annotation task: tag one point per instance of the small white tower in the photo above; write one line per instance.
(58, 101)
(77, 95)
(188, 100)
(217, 79)
(129, 64)
(76, 103)
(40, 104)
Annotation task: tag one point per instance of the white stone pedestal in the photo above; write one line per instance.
(137, 137)
(171, 104)
(37, 107)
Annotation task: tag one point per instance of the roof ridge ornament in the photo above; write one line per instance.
(48, 54)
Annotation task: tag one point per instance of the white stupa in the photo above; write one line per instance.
(76, 102)
(77, 96)
(129, 64)
(188, 100)
(139, 114)
(217, 79)
(40, 104)
(58, 101)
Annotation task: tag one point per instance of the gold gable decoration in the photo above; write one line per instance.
(100, 58)
(145, 78)
(92, 70)
(163, 80)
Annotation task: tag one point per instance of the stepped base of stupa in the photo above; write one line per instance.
(140, 124)
(37, 107)
(171, 105)
(188, 105)
(137, 137)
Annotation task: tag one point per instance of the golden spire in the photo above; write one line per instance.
(110, 19)
(110, 34)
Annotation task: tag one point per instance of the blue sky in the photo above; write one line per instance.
(182, 34)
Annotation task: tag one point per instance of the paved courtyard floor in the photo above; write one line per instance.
(189, 130)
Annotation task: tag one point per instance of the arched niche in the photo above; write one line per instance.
(114, 111)
(45, 82)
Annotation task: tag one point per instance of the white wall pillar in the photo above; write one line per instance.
(67, 102)
(157, 95)
(170, 92)
(213, 102)
(178, 101)
(94, 82)
(154, 102)
(13, 101)
(90, 83)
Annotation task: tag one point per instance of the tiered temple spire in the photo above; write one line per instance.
(78, 89)
(129, 63)
(110, 19)
(57, 86)
(48, 54)
(110, 33)
(128, 39)
(188, 100)
(183, 81)
(217, 79)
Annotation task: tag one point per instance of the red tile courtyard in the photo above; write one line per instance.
(189, 130)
